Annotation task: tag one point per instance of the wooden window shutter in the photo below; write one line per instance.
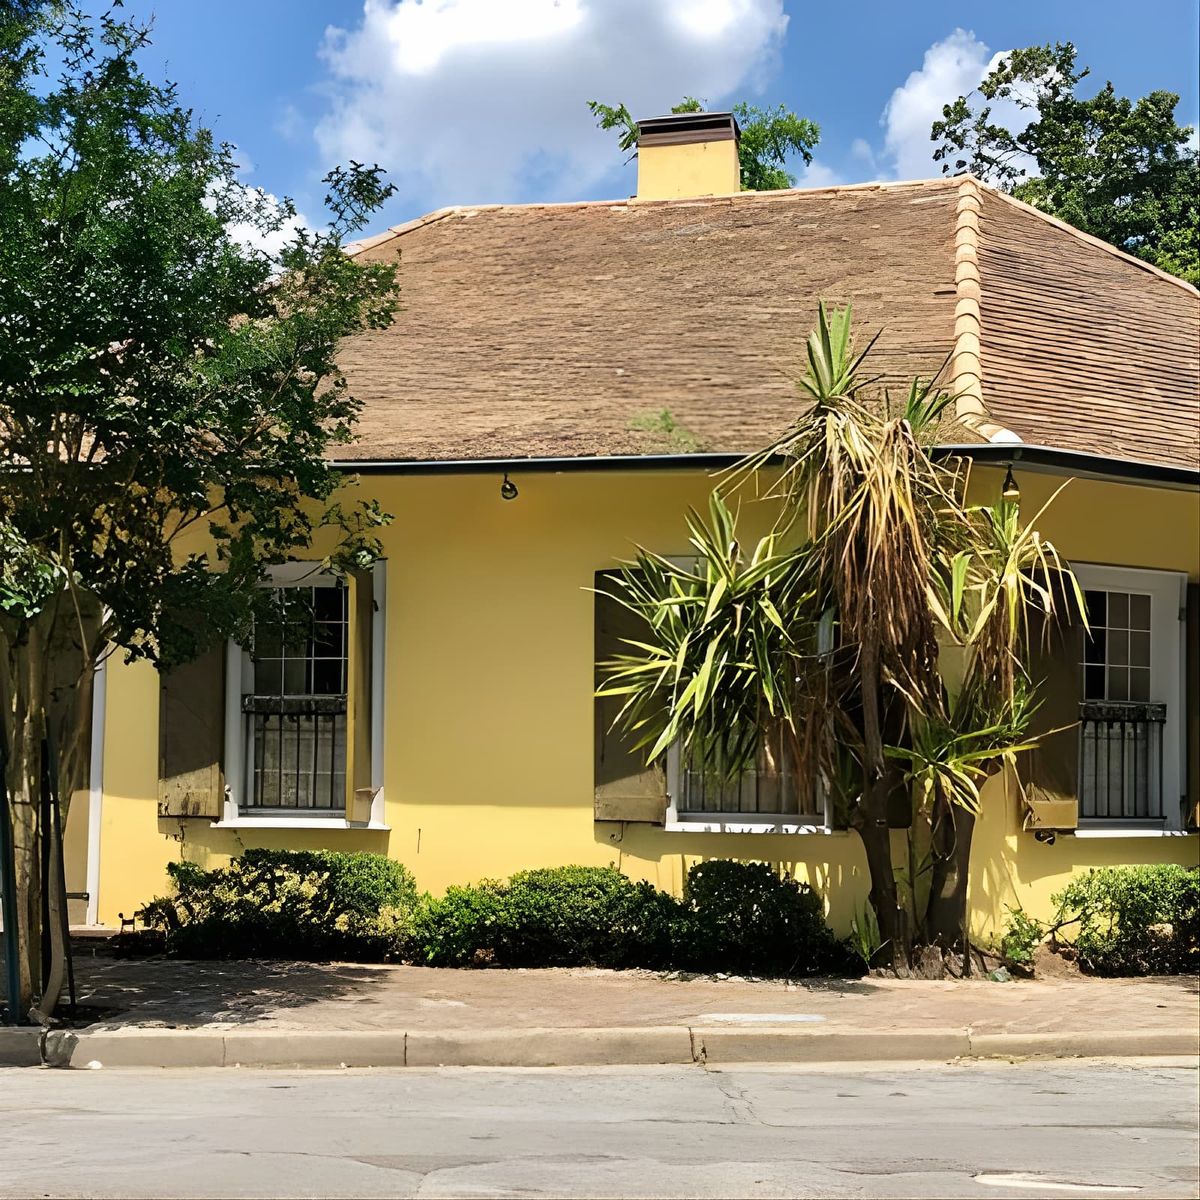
(1052, 768)
(191, 737)
(626, 789)
(1191, 709)
(360, 792)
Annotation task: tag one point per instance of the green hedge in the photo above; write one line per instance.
(746, 918)
(737, 917)
(554, 917)
(305, 904)
(319, 905)
(1134, 920)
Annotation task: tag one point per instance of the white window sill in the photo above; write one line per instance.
(331, 823)
(720, 823)
(1127, 831)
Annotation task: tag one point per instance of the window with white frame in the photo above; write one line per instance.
(294, 701)
(1130, 697)
(304, 703)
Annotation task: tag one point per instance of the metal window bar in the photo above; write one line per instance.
(299, 752)
(1120, 760)
(769, 788)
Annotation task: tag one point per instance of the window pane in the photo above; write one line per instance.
(1095, 646)
(327, 639)
(268, 677)
(1118, 647)
(1139, 684)
(1093, 683)
(1118, 610)
(1139, 649)
(1139, 612)
(329, 604)
(267, 643)
(295, 677)
(1097, 607)
(327, 676)
(1118, 683)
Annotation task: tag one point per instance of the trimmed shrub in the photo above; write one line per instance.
(315, 905)
(319, 905)
(552, 917)
(1135, 920)
(746, 918)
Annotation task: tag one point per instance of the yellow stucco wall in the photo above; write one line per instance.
(688, 170)
(488, 764)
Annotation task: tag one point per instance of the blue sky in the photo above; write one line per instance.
(474, 101)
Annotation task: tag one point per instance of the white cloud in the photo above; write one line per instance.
(862, 150)
(817, 175)
(951, 68)
(467, 101)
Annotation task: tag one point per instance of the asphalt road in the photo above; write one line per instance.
(1055, 1129)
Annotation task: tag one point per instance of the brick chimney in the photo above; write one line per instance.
(688, 154)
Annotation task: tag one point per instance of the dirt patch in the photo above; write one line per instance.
(1052, 960)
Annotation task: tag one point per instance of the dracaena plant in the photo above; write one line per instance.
(883, 622)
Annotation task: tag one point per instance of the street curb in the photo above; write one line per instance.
(20, 1047)
(523, 1047)
(1094, 1044)
(639, 1046)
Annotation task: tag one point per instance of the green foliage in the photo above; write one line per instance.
(305, 904)
(551, 917)
(1023, 935)
(1135, 920)
(881, 628)
(747, 918)
(320, 905)
(865, 941)
(769, 137)
(1120, 169)
(159, 378)
(719, 660)
(666, 435)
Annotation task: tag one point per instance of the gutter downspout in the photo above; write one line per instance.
(966, 370)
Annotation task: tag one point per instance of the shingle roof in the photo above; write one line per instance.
(564, 330)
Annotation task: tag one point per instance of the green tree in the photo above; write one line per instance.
(879, 633)
(167, 394)
(1117, 168)
(769, 137)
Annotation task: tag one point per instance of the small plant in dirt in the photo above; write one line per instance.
(1023, 935)
(315, 905)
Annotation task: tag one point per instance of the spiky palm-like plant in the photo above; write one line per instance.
(883, 623)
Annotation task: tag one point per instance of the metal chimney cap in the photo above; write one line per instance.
(682, 128)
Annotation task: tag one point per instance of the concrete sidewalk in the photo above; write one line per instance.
(157, 1012)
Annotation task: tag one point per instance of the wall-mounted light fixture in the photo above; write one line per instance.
(508, 489)
(1009, 490)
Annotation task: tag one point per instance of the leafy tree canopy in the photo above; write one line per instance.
(156, 373)
(168, 393)
(769, 137)
(1120, 169)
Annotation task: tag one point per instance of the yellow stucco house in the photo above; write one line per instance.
(442, 711)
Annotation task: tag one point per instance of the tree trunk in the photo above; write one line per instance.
(870, 819)
(945, 923)
(23, 673)
(32, 708)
